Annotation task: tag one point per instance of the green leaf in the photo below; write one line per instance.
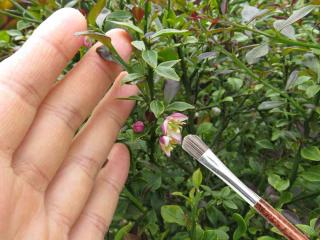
(311, 153)
(179, 106)
(266, 238)
(94, 12)
(123, 231)
(157, 108)
(167, 72)
(21, 25)
(264, 143)
(256, 53)
(169, 63)
(235, 83)
(242, 226)
(150, 57)
(278, 183)
(216, 234)
(173, 214)
(129, 25)
(197, 178)
(297, 15)
(230, 204)
(4, 36)
(270, 105)
(120, 15)
(168, 31)
(139, 45)
(311, 91)
(312, 174)
(292, 79)
(307, 229)
(131, 77)
(105, 40)
(287, 31)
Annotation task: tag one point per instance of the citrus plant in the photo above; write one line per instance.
(243, 75)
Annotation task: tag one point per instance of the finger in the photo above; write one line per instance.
(26, 77)
(63, 111)
(97, 215)
(69, 190)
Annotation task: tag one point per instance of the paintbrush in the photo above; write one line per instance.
(193, 145)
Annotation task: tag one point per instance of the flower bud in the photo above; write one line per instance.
(138, 127)
(216, 111)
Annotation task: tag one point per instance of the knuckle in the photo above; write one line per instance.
(89, 165)
(33, 174)
(112, 184)
(70, 115)
(113, 116)
(98, 64)
(53, 44)
(59, 216)
(99, 222)
(24, 90)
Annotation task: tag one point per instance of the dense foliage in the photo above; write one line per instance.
(247, 75)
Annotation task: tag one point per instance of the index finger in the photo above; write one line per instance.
(27, 76)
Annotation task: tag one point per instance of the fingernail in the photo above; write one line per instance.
(105, 163)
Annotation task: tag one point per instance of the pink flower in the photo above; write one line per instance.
(166, 145)
(172, 126)
(138, 127)
(87, 42)
(171, 129)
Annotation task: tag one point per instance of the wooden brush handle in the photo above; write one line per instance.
(279, 221)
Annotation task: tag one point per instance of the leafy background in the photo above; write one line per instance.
(247, 73)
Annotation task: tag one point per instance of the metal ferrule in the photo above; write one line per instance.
(213, 163)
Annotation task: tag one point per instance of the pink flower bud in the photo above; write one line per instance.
(87, 42)
(138, 127)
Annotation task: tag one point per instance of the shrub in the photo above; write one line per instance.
(247, 76)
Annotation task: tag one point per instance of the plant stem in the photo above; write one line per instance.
(279, 38)
(22, 9)
(295, 167)
(303, 197)
(146, 16)
(187, 85)
(19, 17)
(255, 77)
(136, 202)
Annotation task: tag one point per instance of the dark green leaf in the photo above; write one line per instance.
(105, 40)
(123, 231)
(150, 57)
(168, 31)
(169, 63)
(312, 174)
(167, 72)
(157, 108)
(242, 226)
(94, 12)
(179, 106)
(278, 183)
(129, 25)
(270, 105)
(132, 77)
(139, 45)
(311, 153)
(197, 178)
(173, 214)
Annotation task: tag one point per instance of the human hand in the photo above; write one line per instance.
(51, 180)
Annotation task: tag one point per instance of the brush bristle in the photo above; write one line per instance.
(193, 145)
